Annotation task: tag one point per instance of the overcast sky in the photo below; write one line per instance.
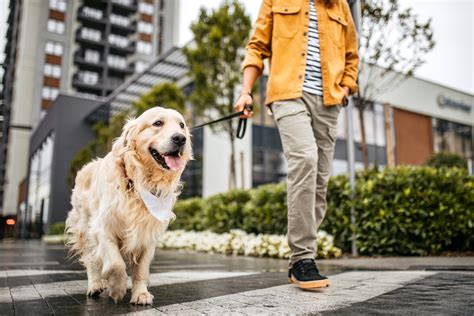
(450, 63)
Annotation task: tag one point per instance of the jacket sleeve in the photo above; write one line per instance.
(351, 70)
(259, 46)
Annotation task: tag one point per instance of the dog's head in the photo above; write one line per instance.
(159, 139)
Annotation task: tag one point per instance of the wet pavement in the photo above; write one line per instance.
(38, 279)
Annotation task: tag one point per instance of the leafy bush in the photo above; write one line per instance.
(56, 228)
(403, 211)
(266, 212)
(446, 160)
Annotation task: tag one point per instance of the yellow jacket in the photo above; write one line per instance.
(280, 34)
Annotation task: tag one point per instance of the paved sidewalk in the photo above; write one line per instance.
(36, 279)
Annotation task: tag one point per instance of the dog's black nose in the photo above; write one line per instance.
(178, 139)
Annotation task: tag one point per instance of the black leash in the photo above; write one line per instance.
(242, 121)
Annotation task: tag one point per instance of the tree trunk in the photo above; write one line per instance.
(232, 172)
(363, 143)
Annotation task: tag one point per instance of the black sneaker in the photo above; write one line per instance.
(306, 275)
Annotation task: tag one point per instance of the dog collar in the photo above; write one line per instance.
(159, 208)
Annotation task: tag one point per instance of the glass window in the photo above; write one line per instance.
(146, 8)
(453, 137)
(89, 77)
(92, 13)
(91, 34)
(92, 56)
(49, 93)
(119, 19)
(51, 70)
(54, 48)
(144, 47)
(40, 183)
(58, 5)
(56, 26)
(140, 65)
(117, 61)
(118, 40)
(144, 27)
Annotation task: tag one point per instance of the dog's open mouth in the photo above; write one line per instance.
(169, 161)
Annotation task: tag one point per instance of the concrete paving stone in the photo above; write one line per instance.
(32, 307)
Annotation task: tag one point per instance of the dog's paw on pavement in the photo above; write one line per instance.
(95, 289)
(117, 286)
(142, 298)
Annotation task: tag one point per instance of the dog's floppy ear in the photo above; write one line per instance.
(126, 140)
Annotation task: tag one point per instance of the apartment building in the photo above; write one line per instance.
(83, 47)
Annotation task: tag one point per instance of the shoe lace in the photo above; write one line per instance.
(308, 267)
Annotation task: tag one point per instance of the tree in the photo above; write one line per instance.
(393, 44)
(214, 60)
(167, 95)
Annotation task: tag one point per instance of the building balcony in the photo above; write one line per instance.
(124, 6)
(122, 28)
(91, 17)
(122, 50)
(79, 82)
(89, 41)
(87, 64)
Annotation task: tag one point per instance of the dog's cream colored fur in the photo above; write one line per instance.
(109, 225)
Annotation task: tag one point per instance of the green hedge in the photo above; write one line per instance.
(56, 228)
(403, 211)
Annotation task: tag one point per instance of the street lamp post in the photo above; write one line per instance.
(356, 15)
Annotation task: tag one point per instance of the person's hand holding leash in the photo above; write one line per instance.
(240, 105)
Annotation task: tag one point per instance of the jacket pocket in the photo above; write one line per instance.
(337, 27)
(286, 20)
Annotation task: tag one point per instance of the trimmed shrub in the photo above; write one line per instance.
(56, 228)
(400, 211)
(265, 212)
(446, 160)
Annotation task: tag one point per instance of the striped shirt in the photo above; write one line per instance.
(313, 82)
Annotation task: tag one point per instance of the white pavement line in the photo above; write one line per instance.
(346, 289)
(35, 291)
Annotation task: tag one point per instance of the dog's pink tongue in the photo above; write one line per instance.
(175, 163)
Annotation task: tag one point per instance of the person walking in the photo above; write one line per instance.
(312, 50)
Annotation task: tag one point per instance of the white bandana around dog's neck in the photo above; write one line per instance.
(159, 207)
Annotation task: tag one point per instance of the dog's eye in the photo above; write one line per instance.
(181, 124)
(158, 123)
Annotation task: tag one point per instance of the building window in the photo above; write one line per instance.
(89, 77)
(116, 61)
(146, 8)
(119, 20)
(91, 34)
(92, 56)
(58, 5)
(54, 48)
(140, 65)
(40, 185)
(92, 13)
(144, 47)
(123, 2)
(117, 40)
(144, 27)
(49, 93)
(453, 137)
(51, 70)
(56, 26)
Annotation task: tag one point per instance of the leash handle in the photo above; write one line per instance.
(242, 127)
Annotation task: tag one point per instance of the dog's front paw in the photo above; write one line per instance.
(142, 298)
(95, 289)
(117, 286)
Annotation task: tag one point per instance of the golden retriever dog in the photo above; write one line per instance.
(122, 203)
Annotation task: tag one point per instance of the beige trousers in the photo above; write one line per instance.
(308, 134)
